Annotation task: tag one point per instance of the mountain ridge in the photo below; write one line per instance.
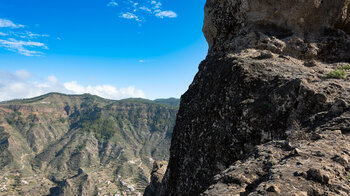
(58, 140)
(166, 101)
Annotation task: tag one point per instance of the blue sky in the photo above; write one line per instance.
(115, 49)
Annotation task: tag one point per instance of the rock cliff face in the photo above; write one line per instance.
(269, 110)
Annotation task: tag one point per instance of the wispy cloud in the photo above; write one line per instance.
(23, 34)
(18, 40)
(164, 14)
(112, 4)
(136, 9)
(144, 8)
(23, 47)
(130, 16)
(8, 23)
(156, 5)
(30, 35)
(22, 84)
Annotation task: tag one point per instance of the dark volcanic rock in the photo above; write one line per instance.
(262, 116)
(243, 102)
(272, 166)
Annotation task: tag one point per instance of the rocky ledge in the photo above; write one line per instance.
(268, 112)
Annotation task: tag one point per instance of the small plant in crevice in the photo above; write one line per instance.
(346, 67)
(348, 176)
(339, 73)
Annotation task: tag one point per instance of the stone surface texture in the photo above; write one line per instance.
(261, 116)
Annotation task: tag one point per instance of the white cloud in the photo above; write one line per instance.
(29, 35)
(156, 5)
(52, 79)
(23, 34)
(74, 87)
(23, 47)
(9, 23)
(112, 4)
(136, 10)
(23, 74)
(144, 8)
(106, 91)
(19, 40)
(168, 14)
(22, 84)
(130, 16)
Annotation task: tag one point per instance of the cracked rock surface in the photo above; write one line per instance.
(315, 167)
(262, 116)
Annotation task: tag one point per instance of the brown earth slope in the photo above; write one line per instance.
(81, 144)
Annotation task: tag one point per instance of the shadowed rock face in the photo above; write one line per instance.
(262, 116)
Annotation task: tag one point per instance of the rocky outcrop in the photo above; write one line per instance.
(80, 184)
(308, 167)
(157, 175)
(263, 115)
(312, 29)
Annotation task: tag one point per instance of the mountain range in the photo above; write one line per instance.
(60, 144)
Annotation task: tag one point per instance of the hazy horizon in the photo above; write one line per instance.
(64, 94)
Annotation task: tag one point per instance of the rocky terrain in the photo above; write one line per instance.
(82, 144)
(268, 112)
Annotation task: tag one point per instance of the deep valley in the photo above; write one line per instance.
(74, 144)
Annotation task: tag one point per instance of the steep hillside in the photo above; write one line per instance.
(171, 101)
(76, 143)
(268, 112)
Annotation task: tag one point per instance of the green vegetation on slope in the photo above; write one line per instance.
(103, 129)
(339, 73)
(54, 135)
(170, 102)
